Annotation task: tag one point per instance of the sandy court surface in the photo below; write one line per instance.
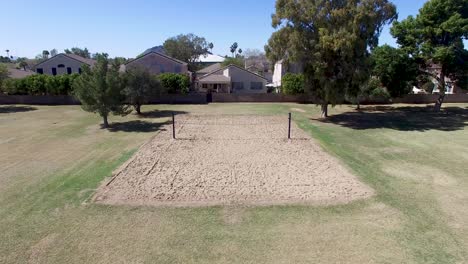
(231, 159)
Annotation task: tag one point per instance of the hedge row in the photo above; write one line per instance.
(40, 84)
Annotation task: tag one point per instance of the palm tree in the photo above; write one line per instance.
(8, 53)
(234, 47)
(45, 54)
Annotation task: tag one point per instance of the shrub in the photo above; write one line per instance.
(174, 83)
(292, 84)
(40, 85)
(10, 86)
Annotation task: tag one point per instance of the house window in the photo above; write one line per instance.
(238, 85)
(54, 71)
(40, 71)
(161, 69)
(256, 86)
(205, 86)
(177, 69)
(79, 70)
(69, 70)
(60, 66)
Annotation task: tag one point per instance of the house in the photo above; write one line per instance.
(261, 69)
(210, 59)
(232, 79)
(281, 68)
(63, 64)
(209, 69)
(157, 63)
(450, 85)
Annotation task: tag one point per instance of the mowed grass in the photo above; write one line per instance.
(52, 158)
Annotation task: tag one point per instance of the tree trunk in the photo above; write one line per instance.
(138, 109)
(105, 124)
(358, 105)
(324, 110)
(440, 100)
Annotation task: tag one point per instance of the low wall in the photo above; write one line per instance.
(430, 98)
(201, 98)
(195, 98)
(70, 100)
(262, 98)
(280, 98)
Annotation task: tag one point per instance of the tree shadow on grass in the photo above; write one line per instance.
(136, 126)
(402, 118)
(160, 114)
(15, 109)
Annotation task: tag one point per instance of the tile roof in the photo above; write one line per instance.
(210, 68)
(215, 78)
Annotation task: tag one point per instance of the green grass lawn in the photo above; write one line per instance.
(53, 157)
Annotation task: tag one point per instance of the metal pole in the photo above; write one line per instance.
(173, 126)
(289, 126)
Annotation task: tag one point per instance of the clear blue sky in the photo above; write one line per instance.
(126, 28)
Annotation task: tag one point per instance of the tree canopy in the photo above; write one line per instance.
(187, 48)
(331, 39)
(435, 38)
(78, 51)
(395, 69)
(100, 89)
(139, 85)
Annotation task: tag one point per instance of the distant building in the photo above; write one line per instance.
(157, 63)
(210, 59)
(232, 79)
(209, 69)
(450, 85)
(281, 68)
(63, 64)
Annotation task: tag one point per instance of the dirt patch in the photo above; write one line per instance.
(219, 160)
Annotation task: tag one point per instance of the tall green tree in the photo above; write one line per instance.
(139, 85)
(79, 51)
(100, 89)
(45, 54)
(22, 63)
(53, 52)
(238, 61)
(187, 48)
(332, 40)
(395, 69)
(211, 46)
(435, 38)
(233, 48)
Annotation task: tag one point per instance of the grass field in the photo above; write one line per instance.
(53, 158)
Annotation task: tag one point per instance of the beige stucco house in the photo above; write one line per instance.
(157, 63)
(232, 79)
(63, 64)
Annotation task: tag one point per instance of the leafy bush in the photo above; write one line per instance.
(174, 83)
(292, 84)
(40, 85)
